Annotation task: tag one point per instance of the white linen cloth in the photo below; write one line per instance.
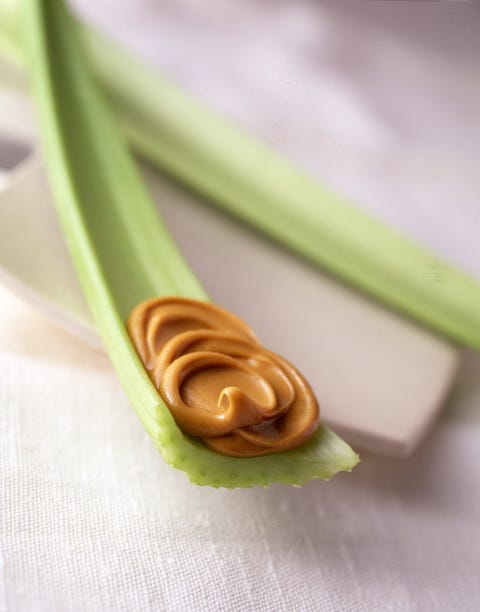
(90, 516)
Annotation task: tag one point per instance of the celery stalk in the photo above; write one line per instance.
(123, 253)
(245, 178)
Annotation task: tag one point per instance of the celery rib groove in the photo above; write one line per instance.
(123, 253)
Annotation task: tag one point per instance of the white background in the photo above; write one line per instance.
(381, 100)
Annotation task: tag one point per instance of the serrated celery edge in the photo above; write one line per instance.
(123, 253)
(246, 179)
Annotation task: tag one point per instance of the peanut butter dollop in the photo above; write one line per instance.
(219, 383)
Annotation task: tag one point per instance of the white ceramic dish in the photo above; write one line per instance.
(379, 378)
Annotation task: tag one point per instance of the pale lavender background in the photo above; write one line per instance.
(381, 99)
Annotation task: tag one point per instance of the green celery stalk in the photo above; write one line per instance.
(245, 178)
(123, 253)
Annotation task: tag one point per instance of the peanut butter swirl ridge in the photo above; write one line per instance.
(219, 383)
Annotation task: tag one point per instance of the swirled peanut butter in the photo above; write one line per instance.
(219, 383)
